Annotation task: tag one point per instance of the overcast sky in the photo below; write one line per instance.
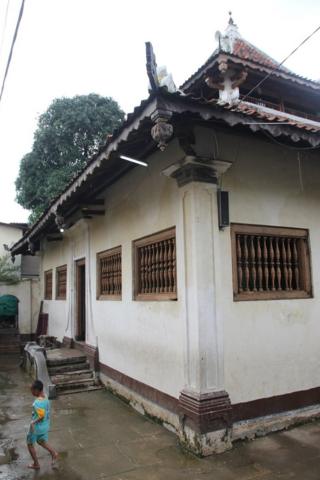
(72, 47)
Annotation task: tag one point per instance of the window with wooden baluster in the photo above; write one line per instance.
(109, 274)
(270, 263)
(48, 285)
(61, 282)
(155, 266)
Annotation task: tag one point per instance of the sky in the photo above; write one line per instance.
(75, 47)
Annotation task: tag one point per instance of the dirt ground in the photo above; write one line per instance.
(100, 437)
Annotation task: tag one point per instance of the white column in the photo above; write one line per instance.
(203, 332)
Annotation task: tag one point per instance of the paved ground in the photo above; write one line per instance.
(99, 437)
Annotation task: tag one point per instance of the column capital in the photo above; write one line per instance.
(197, 169)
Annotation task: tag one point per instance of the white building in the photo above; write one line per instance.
(26, 290)
(210, 325)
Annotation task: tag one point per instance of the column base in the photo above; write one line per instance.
(206, 421)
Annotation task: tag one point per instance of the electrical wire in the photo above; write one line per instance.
(280, 64)
(11, 48)
(4, 27)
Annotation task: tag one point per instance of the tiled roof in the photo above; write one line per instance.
(262, 113)
(244, 49)
(237, 48)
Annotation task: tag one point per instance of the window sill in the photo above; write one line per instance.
(155, 297)
(256, 296)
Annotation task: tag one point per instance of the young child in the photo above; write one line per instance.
(40, 425)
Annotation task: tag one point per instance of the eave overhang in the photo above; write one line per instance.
(139, 123)
(220, 56)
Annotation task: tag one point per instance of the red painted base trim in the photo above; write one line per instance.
(206, 412)
(162, 399)
(272, 405)
(67, 342)
(91, 352)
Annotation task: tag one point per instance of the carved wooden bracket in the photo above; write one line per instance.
(162, 131)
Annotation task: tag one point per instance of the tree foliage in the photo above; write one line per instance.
(9, 273)
(68, 134)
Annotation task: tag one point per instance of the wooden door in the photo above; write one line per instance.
(80, 333)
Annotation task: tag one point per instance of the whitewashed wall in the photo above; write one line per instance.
(270, 347)
(141, 339)
(9, 235)
(28, 293)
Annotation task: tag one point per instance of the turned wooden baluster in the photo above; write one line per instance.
(116, 261)
(161, 280)
(170, 280)
(265, 264)
(157, 268)
(285, 264)
(153, 269)
(165, 266)
(120, 272)
(145, 254)
(239, 262)
(289, 263)
(278, 269)
(272, 269)
(253, 264)
(149, 269)
(246, 264)
(296, 265)
(174, 266)
(107, 275)
(259, 262)
(142, 276)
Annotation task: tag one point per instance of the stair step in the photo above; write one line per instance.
(66, 361)
(75, 375)
(68, 368)
(75, 384)
(80, 390)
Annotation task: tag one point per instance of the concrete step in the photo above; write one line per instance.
(71, 384)
(55, 362)
(78, 375)
(68, 368)
(80, 390)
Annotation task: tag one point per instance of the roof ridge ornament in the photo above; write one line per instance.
(158, 76)
(231, 22)
(226, 40)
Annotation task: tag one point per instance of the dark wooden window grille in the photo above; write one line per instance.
(155, 276)
(48, 285)
(109, 274)
(61, 279)
(270, 262)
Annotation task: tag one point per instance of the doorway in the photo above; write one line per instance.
(80, 330)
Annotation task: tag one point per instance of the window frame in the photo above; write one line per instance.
(58, 270)
(147, 240)
(100, 255)
(46, 274)
(304, 259)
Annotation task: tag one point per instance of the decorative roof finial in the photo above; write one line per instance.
(231, 22)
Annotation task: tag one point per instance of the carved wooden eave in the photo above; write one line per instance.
(178, 110)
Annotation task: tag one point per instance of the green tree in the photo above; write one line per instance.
(9, 273)
(68, 134)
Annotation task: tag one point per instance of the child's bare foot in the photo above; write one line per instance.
(54, 456)
(34, 466)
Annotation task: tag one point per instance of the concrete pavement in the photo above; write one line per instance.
(100, 437)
